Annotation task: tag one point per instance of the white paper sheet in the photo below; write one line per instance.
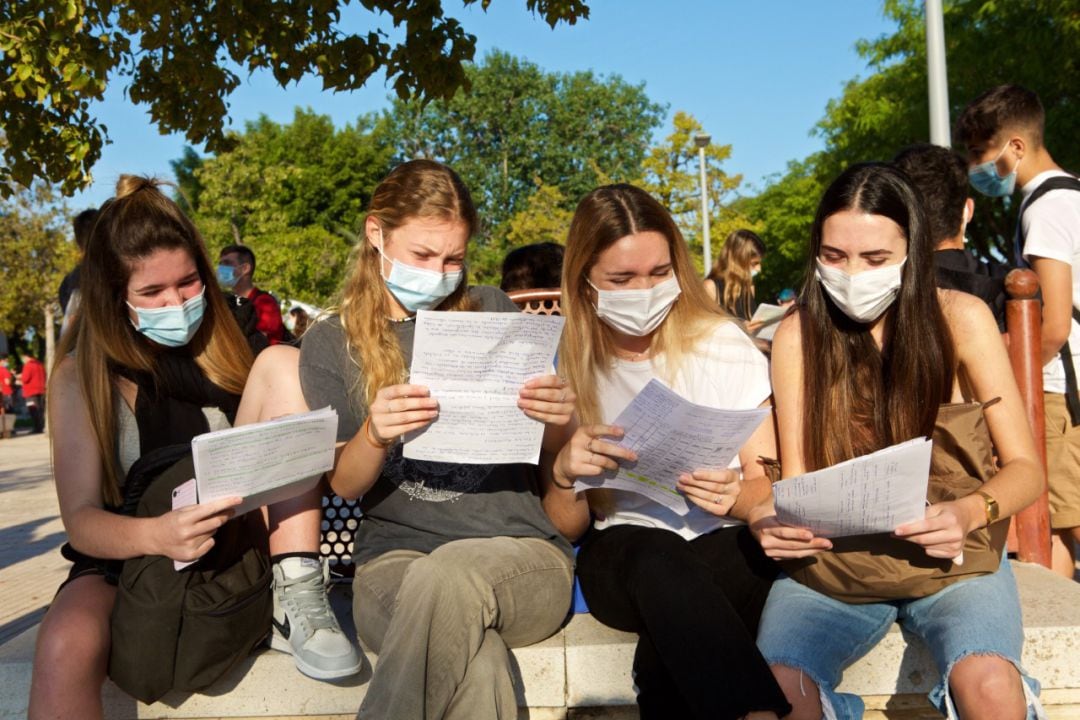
(266, 462)
(474, 364)
(869, 494)
(672, 436)
(769, 316)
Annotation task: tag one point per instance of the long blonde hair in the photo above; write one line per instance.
(603, 217)
(416, 189)
(137, 222)
(732, 268)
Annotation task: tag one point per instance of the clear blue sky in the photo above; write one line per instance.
(756, 73)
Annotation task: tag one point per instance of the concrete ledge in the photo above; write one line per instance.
(584, 672)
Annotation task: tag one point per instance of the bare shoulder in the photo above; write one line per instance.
(278, 357)
(789, 331)
(969, 319)
(65, 375)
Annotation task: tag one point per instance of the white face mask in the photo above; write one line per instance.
(863, 296)
(636, 312)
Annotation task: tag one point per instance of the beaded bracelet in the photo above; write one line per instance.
(371, 438)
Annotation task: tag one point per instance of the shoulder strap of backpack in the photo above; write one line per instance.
(1072, 389)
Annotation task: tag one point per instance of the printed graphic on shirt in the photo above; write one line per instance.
(433, 481)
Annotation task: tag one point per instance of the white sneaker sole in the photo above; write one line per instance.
(277, 642)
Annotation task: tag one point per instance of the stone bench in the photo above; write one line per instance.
(584, 672)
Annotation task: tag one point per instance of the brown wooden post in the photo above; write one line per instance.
(1023, 318)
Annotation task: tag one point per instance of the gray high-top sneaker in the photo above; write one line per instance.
(304, 623)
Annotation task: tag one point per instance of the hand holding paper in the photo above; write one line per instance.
(673, 437)
(873, 493)
(474, 364)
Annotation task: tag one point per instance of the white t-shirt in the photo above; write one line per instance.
(1052, 230)
(725, 371)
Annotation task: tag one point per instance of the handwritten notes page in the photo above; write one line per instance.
(672, 436)
(265, 462)
(475, 363)
(869, 494)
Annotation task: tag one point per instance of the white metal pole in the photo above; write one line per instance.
(936, 73)
(705, 242)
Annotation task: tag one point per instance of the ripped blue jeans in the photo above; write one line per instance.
(811, 632)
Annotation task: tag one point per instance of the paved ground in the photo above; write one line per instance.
(30, 533)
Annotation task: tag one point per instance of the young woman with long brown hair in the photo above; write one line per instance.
(153, 359)
(875, 355)
(692, 586)
(730, 281)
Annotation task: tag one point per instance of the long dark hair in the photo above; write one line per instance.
(857, 397)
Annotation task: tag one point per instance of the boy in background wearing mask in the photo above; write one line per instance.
(940, 176)
(236, 273)
(1002, 131)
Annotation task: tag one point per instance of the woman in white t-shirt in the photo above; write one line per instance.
(692, 586)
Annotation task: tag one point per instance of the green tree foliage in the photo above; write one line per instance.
(280, 186)
(184, 59)
(545, 218)
(37, 255)
(988, 42)
(670, 172)
(520, 125)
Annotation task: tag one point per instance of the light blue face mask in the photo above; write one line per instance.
(173, 325)
(416, 288)
(984, 177)
(226, 275)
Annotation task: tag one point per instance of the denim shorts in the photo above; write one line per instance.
(811, 632)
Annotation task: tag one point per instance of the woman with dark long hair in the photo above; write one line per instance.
(875, 355)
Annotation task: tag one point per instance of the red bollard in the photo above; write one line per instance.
(1023, 318)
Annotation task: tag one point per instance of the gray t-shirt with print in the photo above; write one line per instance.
(419, 505)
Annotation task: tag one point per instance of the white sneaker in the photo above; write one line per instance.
(304, 623)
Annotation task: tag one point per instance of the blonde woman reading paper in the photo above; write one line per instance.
(455, 562)
(874, 356)
(691, 586)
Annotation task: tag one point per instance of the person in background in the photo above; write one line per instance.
(32, 380)
(940, 176)
(1002, 131)
(236, 273)
(691, 585)
(299, 318)
(69, 286)
(730, 283)
(532, 267)
(7, 393)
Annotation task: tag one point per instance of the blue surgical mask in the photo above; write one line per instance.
(416, 288)
(173, 325)
(226, 275)
(984, 177)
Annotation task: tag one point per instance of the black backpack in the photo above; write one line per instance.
(185, 629)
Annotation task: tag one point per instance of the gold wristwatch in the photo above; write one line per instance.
(993, 512)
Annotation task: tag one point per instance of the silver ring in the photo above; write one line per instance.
(718, 499)
(588, 445)
(562, 398)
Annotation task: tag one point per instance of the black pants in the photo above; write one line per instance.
(695, 606)
(36, 405)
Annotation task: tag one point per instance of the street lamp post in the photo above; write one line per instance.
(936, 74)
(702, 141)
